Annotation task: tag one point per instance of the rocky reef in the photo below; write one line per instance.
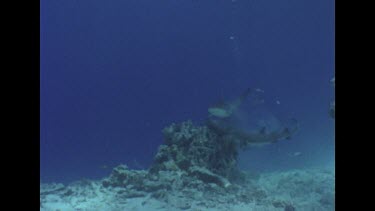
(194, 162)
(196, 169)
(137, 190)
(192, 158)
(209, 152)
(199, 152)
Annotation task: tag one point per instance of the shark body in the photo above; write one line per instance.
(225, 110)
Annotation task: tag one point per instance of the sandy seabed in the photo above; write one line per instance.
(134, 190)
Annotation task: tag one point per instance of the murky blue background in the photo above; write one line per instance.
(114, 73)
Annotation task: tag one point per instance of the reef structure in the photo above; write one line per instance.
(198, 151)
(210, 152)
(196, 169)
(194, 161)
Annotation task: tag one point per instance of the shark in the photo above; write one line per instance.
(257, 137)
(226, 109)
(264, 137)
(222, 121)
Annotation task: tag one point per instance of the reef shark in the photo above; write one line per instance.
(226, 109)
(263, 137)
(221, 124)
(255, 137)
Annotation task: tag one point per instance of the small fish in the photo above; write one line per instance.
(259, 90)
(332, 81)
(103, 167)
(295, 154)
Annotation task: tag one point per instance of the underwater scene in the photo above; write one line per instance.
(217, 105)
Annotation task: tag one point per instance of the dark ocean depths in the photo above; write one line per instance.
(115, 73)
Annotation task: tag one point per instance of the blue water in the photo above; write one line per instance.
(115, 73)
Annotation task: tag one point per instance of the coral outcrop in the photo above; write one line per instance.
(199, 152)
(195, 169)
(209, 152)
